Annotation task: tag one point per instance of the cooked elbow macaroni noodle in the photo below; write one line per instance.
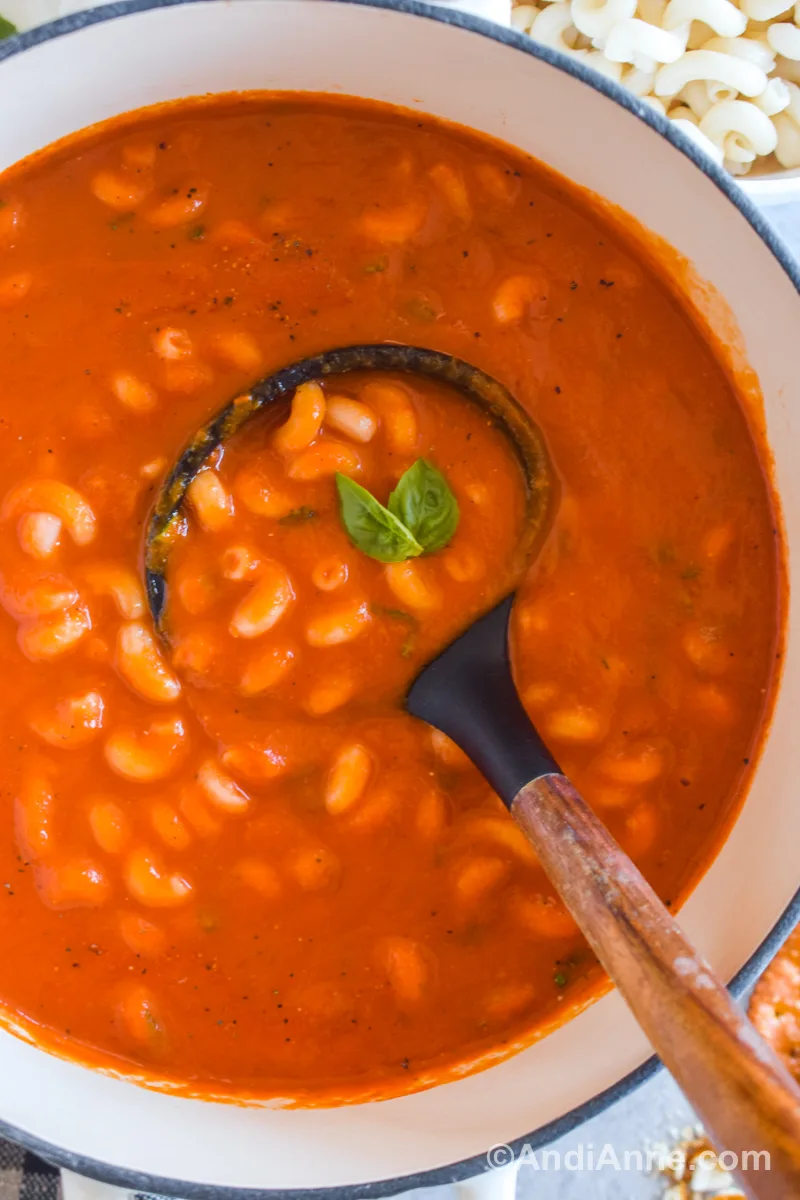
(720, 15)
(554, 27)
(787, 150)
(597, 20)
(634, 41)
(763, 10)
(757, 52)
(784, 38)
(741, 129)
(721, 70)
(774, 98)
(742, 76)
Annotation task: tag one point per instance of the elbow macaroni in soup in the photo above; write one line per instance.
(230, 862)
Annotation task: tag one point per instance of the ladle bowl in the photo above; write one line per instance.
(277, 389)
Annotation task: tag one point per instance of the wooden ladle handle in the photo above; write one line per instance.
(741, 1091)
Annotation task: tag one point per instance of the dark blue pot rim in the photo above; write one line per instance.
(466, 1168)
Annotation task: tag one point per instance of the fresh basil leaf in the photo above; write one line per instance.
(426, 506)
(371, 527)
(7, 28)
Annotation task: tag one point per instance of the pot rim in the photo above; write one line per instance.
(139, 1181)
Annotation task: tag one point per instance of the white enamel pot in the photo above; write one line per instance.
(84, 68)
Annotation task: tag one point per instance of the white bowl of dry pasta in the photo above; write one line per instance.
(730, 71)
(244, 896)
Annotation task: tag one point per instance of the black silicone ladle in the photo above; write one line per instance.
(739, 1088)
(276, 391)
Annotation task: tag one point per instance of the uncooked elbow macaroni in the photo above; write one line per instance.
(726, 72)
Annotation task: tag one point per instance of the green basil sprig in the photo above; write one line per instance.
(7, 28)
(422, 515)
(426, 506)
(372, 528)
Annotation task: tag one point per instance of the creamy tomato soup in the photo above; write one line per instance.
(229, 860)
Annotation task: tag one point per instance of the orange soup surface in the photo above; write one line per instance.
(229, 859)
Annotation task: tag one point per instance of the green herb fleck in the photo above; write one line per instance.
(208, 920)
(604, 662)
(560, 979)
(297, 515)
(396, 614)
(196, 234)
(407, 618)
(407, 648)
(121, 219)
(424, 503)
(421, 309)
(7, 28)
(691, 572)
(376, 267)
